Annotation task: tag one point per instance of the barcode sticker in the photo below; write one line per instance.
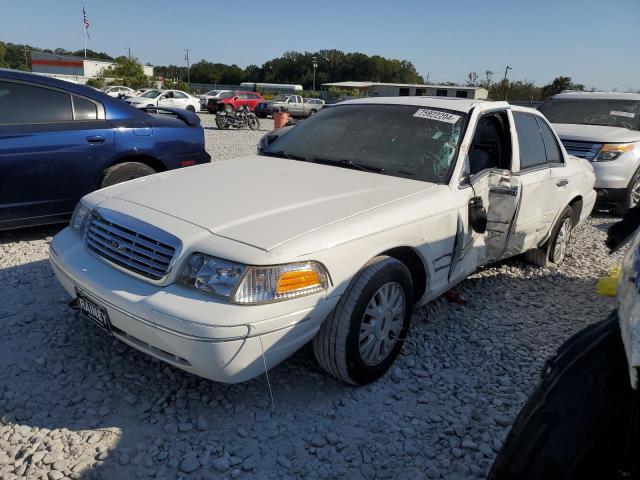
(437, 115)
(622, 114)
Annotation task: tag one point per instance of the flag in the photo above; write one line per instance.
(86, 22)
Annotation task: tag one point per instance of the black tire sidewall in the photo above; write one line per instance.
(566, 213)
(359, 371)
(125, 172)
(627, 203)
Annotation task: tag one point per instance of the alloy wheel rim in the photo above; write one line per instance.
(381, 323)
(562, 241)
(634, 198)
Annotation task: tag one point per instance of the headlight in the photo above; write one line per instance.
(244, 284)
(212, 275)
(611, 151)
(79, 217)
(281, 282)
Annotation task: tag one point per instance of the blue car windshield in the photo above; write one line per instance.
(414, 142)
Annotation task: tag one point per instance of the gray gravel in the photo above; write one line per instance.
(77, 404)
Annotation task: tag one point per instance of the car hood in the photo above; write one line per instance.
(595, 133)
(265, 201)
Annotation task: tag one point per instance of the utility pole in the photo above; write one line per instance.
(186, 57)
(504, 82)
(26, 62)
(315, 65)
(129, 53)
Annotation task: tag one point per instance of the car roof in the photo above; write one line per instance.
(446, 103)
(116, 108)
(597, 95)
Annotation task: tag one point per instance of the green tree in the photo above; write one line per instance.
(3, 52)
(128, 72)
(558, 85)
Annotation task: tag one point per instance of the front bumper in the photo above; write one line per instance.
(204, 336)
(616, 174)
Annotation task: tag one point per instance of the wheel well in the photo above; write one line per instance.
(413, 262)
(148, 160)
(576, 206)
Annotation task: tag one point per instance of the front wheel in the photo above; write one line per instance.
(364, 333)
(555, 249)
(221, 122)
(253, 122)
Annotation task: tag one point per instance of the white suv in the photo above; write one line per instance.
(603, 128)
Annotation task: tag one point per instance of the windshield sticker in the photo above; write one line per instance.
(436, 115)
(622, 114)
(436, 135)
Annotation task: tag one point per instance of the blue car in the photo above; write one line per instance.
(60, 141)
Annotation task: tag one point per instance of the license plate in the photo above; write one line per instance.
(94, 312)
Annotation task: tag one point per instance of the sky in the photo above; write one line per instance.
(595, 42)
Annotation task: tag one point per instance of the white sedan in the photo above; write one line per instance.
(165, 98)
(335, 234)
(118, 91)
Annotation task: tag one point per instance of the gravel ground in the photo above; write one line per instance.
(75, 403)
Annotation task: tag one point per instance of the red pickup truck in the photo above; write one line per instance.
(233, 100)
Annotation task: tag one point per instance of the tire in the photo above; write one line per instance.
(577, 420)
(339, 346)
(253, 122)
(221, 124)
(632, 198)
(191, 108)
(551, 251)
(124, 172)
(312, 112)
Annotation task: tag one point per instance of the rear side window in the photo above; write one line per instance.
(179, 95)
(532, 151)
(22, 104)
(84, 109)
(554, 155)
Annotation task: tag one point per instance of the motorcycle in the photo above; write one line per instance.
(239, 118)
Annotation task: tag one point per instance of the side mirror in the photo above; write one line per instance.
(477, 215)
(235, 98)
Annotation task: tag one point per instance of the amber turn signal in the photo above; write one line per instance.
(297, 280)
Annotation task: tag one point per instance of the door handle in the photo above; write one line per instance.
(562, 182)
(95, 139)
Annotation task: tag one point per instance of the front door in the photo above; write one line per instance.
(489, 180)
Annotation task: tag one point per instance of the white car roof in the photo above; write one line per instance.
(448, 103)
(598, 95)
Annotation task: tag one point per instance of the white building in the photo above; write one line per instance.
(75, 69)
(377, 89)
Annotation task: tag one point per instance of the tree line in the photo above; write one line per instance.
(297, 68)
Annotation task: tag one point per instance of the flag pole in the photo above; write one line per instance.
(84, 29)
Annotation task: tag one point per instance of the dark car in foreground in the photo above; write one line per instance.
(60, 141)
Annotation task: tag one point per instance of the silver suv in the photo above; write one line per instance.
(604, 128)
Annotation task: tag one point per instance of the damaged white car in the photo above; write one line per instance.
(334, 234)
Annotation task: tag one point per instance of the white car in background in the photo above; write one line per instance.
(165, 98)
(604, 128)
(345, 224)
(204, 98)
(118, 91)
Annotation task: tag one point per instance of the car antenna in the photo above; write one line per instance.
(266, 372)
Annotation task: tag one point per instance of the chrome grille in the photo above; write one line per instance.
(131, 244)
(586, 150)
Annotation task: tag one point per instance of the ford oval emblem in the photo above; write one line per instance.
(115, 244)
